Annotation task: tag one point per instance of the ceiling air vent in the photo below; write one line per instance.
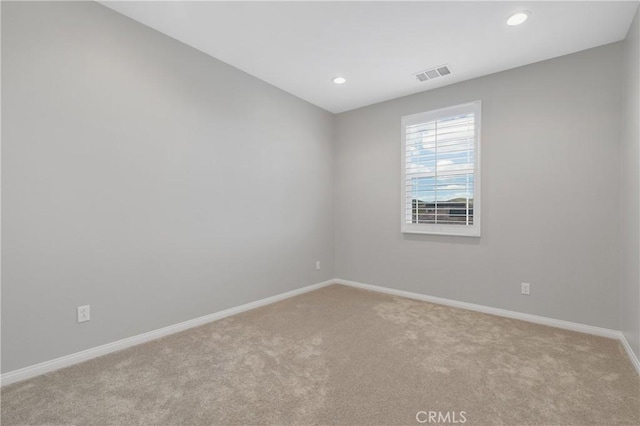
(432, 73)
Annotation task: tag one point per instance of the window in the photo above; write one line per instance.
(441, 171)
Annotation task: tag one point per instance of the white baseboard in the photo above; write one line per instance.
(566, 325)
(630, 353)
(574, 326)
(75, 358)
(68, 360)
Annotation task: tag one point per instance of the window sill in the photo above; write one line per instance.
(442, 230)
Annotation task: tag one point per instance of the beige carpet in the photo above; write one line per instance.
(343, 356)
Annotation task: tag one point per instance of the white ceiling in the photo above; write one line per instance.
(378, 46)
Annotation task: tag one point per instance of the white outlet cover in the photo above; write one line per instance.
(84, 313)
(526, 289)
(317, 264)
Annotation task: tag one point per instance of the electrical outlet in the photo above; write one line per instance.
(526, 289)
(84, 313)
(317, 264)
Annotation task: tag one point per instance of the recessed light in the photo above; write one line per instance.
(518, 18)
(339, 80)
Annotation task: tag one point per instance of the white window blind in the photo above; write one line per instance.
(441, 171)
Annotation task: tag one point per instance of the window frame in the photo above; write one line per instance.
(443, 229)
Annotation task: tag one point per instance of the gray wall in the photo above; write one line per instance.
(630, 192)
(550, 193)
(146, 179)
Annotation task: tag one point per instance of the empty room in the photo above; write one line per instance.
(320, 213)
